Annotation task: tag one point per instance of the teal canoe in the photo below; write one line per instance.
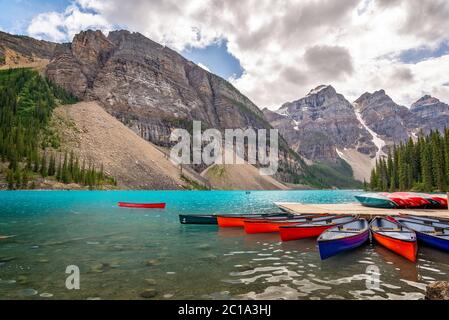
(375, 200)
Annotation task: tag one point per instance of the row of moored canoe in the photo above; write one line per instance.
(400, 200)
(339, 233)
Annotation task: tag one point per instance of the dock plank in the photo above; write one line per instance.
(356, 209)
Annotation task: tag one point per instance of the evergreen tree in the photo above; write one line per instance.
(10, 179)
(26, 104)
(25, 179)
(44, 170)
(52, 166)
(65, 170)
(422, 165)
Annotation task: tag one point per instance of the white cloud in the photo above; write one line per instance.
(61, 27)
(273, 41)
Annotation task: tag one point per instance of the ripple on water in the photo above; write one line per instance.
(7, 281)
(282, 292)
(307, 286)
(365, 262)
(421, 286)
(264, 268)
(406, 296)
(429, 269)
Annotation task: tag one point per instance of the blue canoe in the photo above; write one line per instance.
(431, 235)
(374, 200)
(343, 237)
(426, 220)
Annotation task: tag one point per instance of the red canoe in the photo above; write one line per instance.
(237, 221)
(270, 226)
(395, 237)
(400, 201)
(142, 205)
(413, 200)
(230, 222)
(440, 199)
(311, 230)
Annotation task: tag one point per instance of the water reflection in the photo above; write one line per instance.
(122, 253)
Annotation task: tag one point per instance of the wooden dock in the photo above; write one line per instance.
(356, 209)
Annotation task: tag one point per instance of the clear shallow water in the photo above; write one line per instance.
(122, 252)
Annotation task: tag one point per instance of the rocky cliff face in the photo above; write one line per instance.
(324, 126)
(386, 118)
(396, 123)
(429, 113)
(319, 124)
(25, 46)
(153, 89)
(150, 87)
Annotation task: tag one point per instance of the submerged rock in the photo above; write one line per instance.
(100, 267)
(438, 290)
(150, 282)
(22, 279)
(204, 246)
(43, 261)
(149, 293)
(28, 292)
(153, 262)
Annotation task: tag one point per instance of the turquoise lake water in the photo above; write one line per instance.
(123, 252)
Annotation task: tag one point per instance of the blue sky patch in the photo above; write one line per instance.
(216, 58)
(17, 14)
(415, 55)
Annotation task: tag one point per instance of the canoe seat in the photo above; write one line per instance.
(345, 231)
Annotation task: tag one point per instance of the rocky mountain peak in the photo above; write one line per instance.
(91, 48)
(323, 90)
(320, 124)
(379, 97)
(150, 87)
(317, 99)
(429, 113)
(426, 100)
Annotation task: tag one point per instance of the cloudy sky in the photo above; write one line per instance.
(274, 51)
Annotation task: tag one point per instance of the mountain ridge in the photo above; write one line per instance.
(382, 123)
(153, 89)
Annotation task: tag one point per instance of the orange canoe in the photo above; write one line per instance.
(237, 221)
(395, 237)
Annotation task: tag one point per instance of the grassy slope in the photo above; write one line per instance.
(338, 175)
